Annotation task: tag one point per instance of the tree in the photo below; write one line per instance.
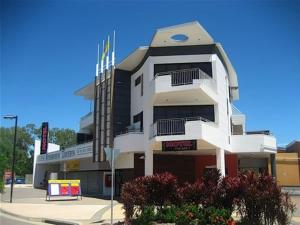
(25, 146)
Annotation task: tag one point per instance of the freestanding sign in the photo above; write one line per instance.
(63, 188)
(44, 138)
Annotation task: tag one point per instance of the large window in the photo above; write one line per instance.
(189, 111)
(204, 66)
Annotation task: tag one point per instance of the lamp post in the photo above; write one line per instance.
(11, 117)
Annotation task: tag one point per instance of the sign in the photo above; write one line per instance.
(73, 165)
(44, 138)
(185, 145)
(64, 188)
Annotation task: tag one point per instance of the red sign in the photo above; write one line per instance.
(185, 145)
(44, 138)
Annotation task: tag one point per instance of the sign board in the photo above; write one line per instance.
(184, 145)
(44, 138)
(63, 188)
(73, 165)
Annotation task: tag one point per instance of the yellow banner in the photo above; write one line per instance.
(63, 181)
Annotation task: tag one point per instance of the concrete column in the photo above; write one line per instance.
(273, 165)
(148, 161)
(220, 154)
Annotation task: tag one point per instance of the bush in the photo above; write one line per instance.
(256, 197)
(157, 190)
(145, 216)
(262, 202)
(1, 185)
(167, 214)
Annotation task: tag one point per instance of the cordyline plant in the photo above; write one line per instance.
(262, 202)
(255, 197)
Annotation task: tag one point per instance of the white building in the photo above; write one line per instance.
(171, 109)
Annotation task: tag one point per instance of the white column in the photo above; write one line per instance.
(148, 161)
(220, 154)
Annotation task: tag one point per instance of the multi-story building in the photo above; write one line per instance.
(166, 107)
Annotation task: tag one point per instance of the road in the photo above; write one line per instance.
(10, 220)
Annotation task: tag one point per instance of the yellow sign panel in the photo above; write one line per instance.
(64, 181)
(73, 165)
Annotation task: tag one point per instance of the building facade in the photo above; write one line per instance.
(166, 107)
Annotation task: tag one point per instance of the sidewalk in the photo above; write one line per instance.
(30, 204)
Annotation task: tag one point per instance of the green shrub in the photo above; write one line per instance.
(1, 186)
(188, 215)
(145, 216)
(166, 214)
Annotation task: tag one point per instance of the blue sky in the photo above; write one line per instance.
(48, 50)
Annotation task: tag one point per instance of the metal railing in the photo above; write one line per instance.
(186, 76)
(175, 126)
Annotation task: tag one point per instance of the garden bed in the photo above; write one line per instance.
(159, 199)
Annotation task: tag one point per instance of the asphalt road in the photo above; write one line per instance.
(10, 220)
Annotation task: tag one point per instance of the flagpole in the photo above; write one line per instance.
(102, 60)
(97, 64)
(113, 51)
(107, 56)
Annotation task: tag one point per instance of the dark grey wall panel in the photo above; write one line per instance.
(121, 101)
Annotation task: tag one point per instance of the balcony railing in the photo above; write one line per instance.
(186, 76)
(174, 126)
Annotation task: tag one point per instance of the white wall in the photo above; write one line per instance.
(253, 143)
(39, 170)
(130, 142)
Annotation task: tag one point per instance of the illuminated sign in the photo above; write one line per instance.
(44, 138)
(185, 145)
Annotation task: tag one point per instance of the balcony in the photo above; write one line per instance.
(184, 85)
(87, 121)
(193, 128)
(131, 140)
(254, 143)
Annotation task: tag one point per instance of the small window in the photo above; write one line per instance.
(138, 81)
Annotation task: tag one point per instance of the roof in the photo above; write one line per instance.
(87, 91)
(196, 35)
(294, 145)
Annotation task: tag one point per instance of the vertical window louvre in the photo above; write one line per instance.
(142, 85)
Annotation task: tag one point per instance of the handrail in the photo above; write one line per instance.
(172, 126)
(186, 76)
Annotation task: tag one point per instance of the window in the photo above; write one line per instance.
(137, 81)
(139, 118)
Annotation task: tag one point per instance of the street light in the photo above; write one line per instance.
(13, 117)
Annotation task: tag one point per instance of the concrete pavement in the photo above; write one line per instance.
(29, 203)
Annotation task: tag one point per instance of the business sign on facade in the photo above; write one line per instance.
(63, 188)
(184, 145)
(73, 165)
(44, 138)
